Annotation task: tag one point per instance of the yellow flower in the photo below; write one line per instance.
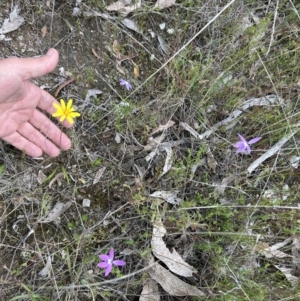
(65, 111)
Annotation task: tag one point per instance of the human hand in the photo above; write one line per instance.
(21, 123)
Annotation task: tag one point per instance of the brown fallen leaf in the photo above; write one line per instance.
(96, 54)
(162, 127)
(44, 30)
(119, 68)
(136, 70)
(63, 85)
(99, 174)
(116, 49)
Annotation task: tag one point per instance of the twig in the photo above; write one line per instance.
(273, 28)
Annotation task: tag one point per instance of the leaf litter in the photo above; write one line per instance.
(172, 259)
(150, 291)
(284, 267)
(168, 196)
(124, 7)
(13, 22)
(170, 283)
(56, 212)
(160, 4)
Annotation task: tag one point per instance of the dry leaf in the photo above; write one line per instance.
(150, 291)
(211, 162)
(44, 30)
(189, 129)
(46, 271)
(118, 138)
(296, 251)
(168, 196)
(294, 160)
(41, 177)
(154, 142)
(164, 3)
(96, 54)
(136, 70)
(118, 5)
(116, 49)
(54, 214)
(287, 273)
(162, 127)
(272, 251)
(168, 162)
(99, 174)
(124, 6)
(131, 25)
(13, 22)
(119, 68)
(165, 48)
(56, 178)
(171, 284)
(172, 259)
(63, 85)
(91, 93)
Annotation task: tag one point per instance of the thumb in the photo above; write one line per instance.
(37, 66)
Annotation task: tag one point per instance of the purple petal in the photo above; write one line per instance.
(242, 138)
(241, 149)
(104, 257)
(248, 149)
(125, 83)
(239, 144)
(102, 264)
(111, 254)
(254, 140)
(108, 269)
(119, 262)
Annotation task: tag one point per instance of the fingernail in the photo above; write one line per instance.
(50, 52)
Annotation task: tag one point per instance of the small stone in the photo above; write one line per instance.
(86, 203)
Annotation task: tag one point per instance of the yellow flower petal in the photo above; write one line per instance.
(56, 106)
(70, 119)
(74, 114)
(63, 104)
(56, 114)
(62, 118)
(69, 105)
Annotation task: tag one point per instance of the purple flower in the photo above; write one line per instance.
(108, 261)
(243, 144)
(125, 83)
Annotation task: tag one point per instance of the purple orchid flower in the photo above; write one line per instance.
(108, 262)
(125, 83)
(244, 145)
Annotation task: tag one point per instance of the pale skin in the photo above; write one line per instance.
(23, 123)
